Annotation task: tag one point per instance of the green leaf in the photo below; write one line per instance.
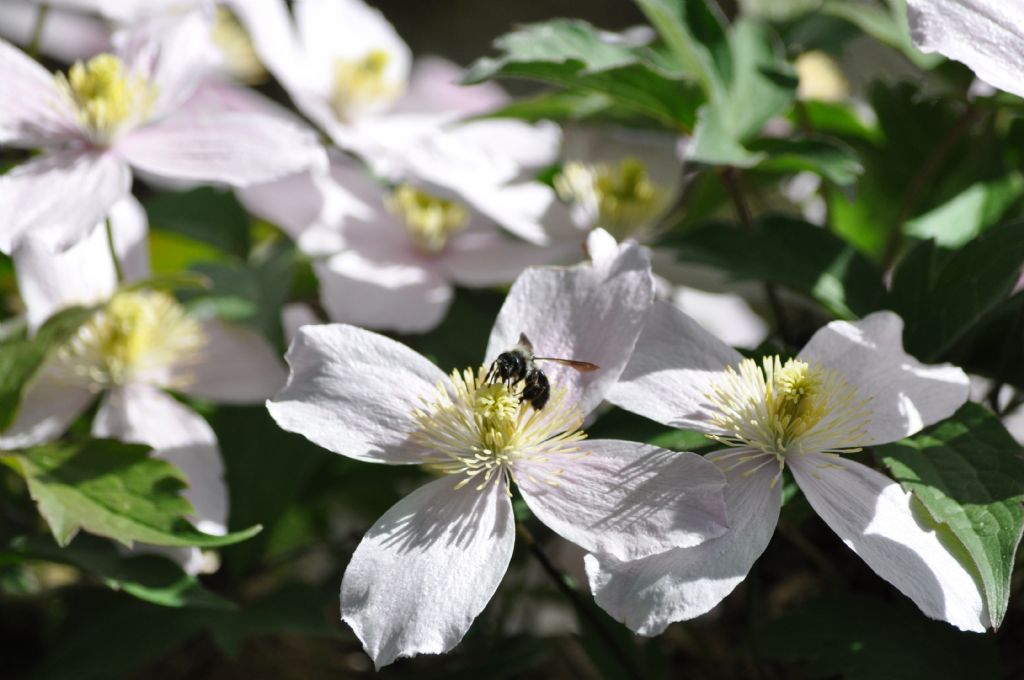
(968, 473)
(792, 253)
(859, 638)
(826, 157)
(211, 216)
(887, 26)
(575, 56)
(969, 213)
(114, 490)
(21, 359)
(695, 32)
(942, 295)
(150, 578)
(838, 119)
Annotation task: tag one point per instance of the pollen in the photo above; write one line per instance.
(480, 431)
(105, 95)
(361, 85)
(622, 198)
(787, 408)
(136, 336)
(429, 220)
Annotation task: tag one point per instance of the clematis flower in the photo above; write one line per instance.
(851, 386)
(430, 564)
(136, 345)
(117, 112)
(388, 258)
(66, 35)
(983, 34)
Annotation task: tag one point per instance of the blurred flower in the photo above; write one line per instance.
(66, 35)
(118, 111)
(137, 343)
(851, 386)
(983, 34)
(428, 567)
(820, 78)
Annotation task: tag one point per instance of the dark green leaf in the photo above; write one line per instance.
(829, 158)
(968, 473)
(114, 490)
(212, 216)
(695, 32)
(969, 213)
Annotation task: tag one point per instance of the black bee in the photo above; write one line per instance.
(518, 364)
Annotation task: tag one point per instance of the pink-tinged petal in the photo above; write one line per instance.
(672, 370)
(649, 594)
(396, 295)
(878, 520)
(47, 409)
(130, 227)
(66, 36)
(591, 312)
(233, 148)
(236, 365)
(59, 198)
(434, 86)
(33, 112)
(726, 315)
(986, 35)
(142, 414)
(625, 499)
(270, 27)
(427, 568)
(353, 392)
(294, 316)
(905, 395)
(487, 259)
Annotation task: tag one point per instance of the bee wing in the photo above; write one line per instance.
(581, 366)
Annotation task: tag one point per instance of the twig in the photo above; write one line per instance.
(578, 602)
(37, 31)
(732, 185)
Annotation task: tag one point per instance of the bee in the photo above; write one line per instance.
(519, 364)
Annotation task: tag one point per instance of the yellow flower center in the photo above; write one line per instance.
(360, 85)
(820, 78)
(481, 430)
(105, 96)
(234, 43)
(621, 199)
(430, 220)
(787, 408)
(136, 336)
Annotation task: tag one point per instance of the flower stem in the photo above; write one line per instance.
(581, 606)
(113, 251)
(37, 30)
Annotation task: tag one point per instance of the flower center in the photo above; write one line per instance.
(430, 220)
(234, 43)
(136, 336)
(360, 84)
(481, 430)
(621, 199)
(104, 95)
(787, 408)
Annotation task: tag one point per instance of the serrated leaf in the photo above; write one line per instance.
(969, 213)
(21, 359)
(114, 490)
(695, 32)
(969, 474)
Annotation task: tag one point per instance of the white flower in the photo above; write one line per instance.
(388, 259)
(118, 111)
(428, 567)
(67, 35)
(137, 344)
(851, 386)
(983, 34)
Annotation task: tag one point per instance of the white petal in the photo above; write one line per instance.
(59, 198)
(726, 315)
(591, 312)
(672, 369)
(270, 27)
(987, 35)
(387, 295)
(233, 148)
(66, 36)
(427, 568)
(236, 365)
(486, 259)
(353, 392)
(878, 520)
(649, 594)
(130, 227)
(625, 499)
(905, 394)
(434, 86)
(47, 409)
(32, 111)
(142, 414)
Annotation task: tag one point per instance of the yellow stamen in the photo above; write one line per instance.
(430, 220)
(623, 199)
(137, 335)
(360, 85)
(105, 96)
(480, 430)
(233, 41)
